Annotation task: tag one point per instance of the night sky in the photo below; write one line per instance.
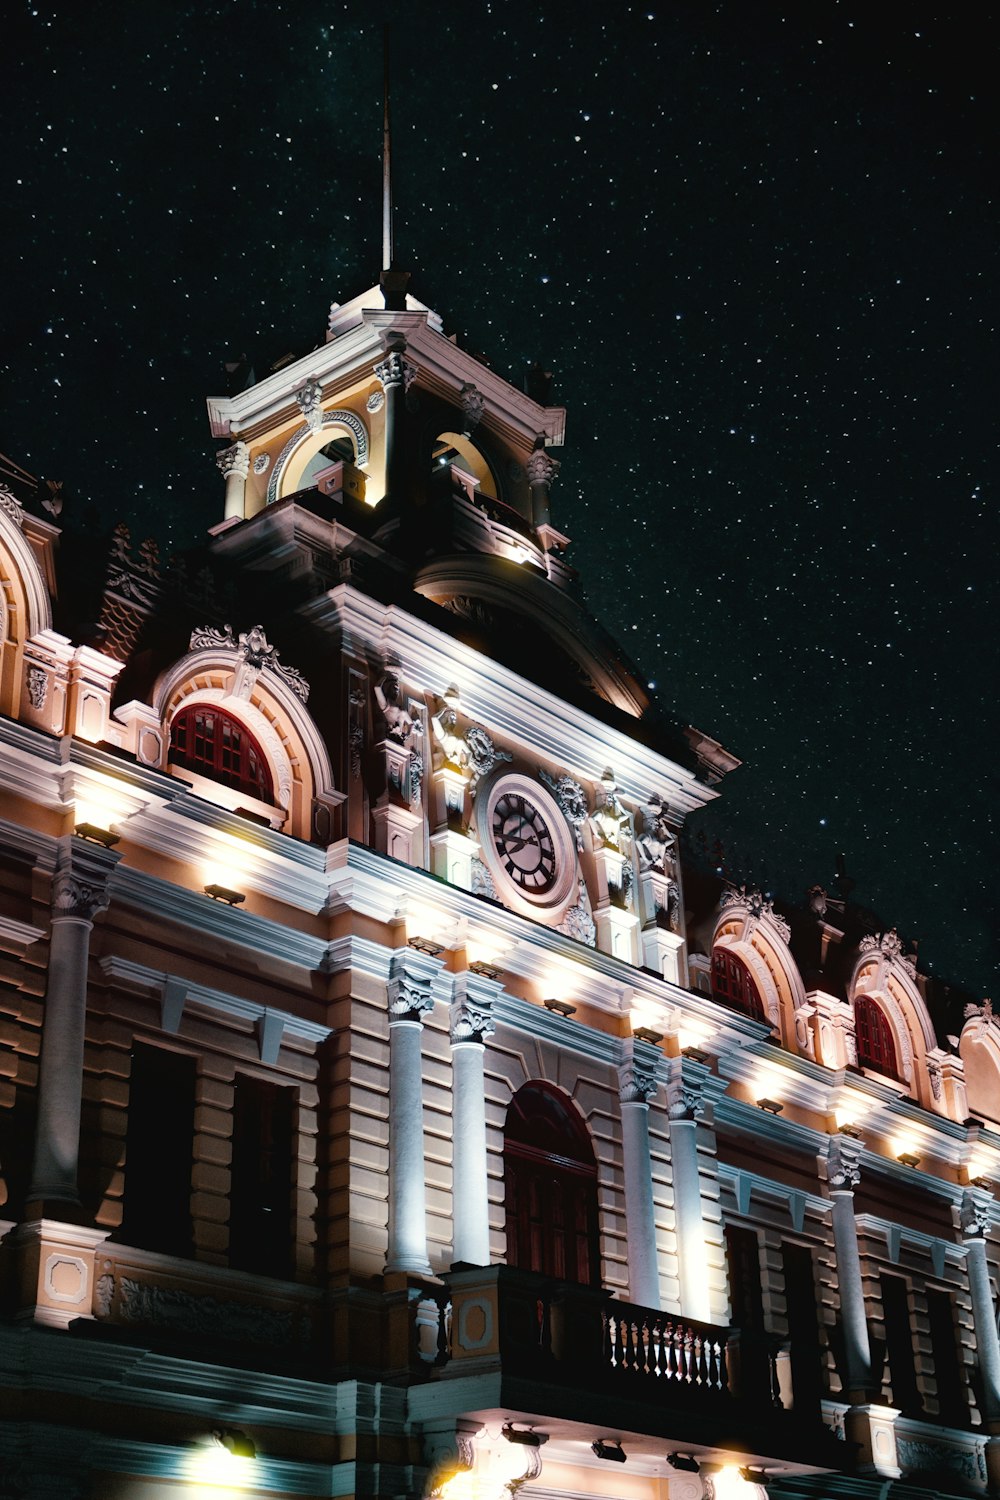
(755, 242)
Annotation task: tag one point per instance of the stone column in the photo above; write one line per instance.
(975, 1220)
(471, 1026)
(234, 466)
(843, 1168)
(636, 1086)
(79, 892)
(410, 1000)
(396, 375)
(685, 1103)
(541, 469)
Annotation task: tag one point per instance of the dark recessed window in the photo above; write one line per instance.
(159, 1151)
(263, 1177)
(734, 985)
(209, 740)
(876, 1045)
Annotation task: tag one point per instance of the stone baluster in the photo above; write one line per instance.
(636, 1086)
(410, 1000)
(541, 470)
(395, 374)
(975, 1217)
(79, 892)
(686, 1101)
(234, 466)
(471, 1027)
(843, 1168)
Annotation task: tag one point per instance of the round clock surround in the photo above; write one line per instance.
(526, 844)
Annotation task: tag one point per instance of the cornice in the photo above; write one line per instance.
(746, 1185)
(517, 709)
(560, 1031)
(897, 1235)
(124, 972)
(197, 912)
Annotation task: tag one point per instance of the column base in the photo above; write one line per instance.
(51, 1267)
(663, 952)
(872, 1429)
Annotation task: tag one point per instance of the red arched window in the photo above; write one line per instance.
(550, 1179)
(207, 739)
(734, 985)
(876, 1043)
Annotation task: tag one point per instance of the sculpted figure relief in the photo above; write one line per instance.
(402, 726)
(656, 845)
(610, 823)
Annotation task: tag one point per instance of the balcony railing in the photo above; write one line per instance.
(498, 1317)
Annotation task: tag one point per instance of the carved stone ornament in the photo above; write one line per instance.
(11, 506)
(255, 650)
(471, 1022)
(482, 881)
(656, 845)
(890, 946)
(473, 404)
(233, 460)
(635, 1085)
(483, 754)
(572, 801)
(416, 770)
(843, 1163)
(917, 1456)
(471, 750)
(402, 724)
(168, 1307)
(685, 1097)
(375, 401)
(104, 1292)
(309, 400)
(395, 369)
(262, 463)
(578, 922)
(541, 467)
(975, 1215)
(758, 906)
(410, 998)
(611, 823)
(38, 687)
(73, 897)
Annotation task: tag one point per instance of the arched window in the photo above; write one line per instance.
(734, 985)
(550, 1177)
(207, 739)
(876, 1044)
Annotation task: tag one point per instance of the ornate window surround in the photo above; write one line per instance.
(350, 423)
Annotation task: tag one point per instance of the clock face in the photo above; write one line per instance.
(523, 843)
(527, 845)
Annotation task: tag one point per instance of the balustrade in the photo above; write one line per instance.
(659, 1347)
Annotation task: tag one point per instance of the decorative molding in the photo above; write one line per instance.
(572, 801)
(578, 922)
(890, 946)
(182, 1312)
(473, 404)
(253, 647)
(38, 687)
(11, 506)
(262, 463)
(756, 905)
(234, 460)
(843, 1163)
(339, 418)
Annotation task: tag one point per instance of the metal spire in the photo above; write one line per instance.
(386, 157)
(392, 282)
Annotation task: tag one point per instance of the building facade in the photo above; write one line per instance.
(384, 1109)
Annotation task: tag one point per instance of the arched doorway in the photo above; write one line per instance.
(550, 1179)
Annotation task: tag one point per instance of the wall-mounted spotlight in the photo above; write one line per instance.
(684, 1463)
(235, 1442)
(851, 1130)
(610, 1449)
(425, 945)
(223, 893)
(771, 1106)
(695, 1054)
(982, 1182)
(95, 835)
(522, 1435)
(908, 1158)
(647, 1034)
(753, 1476)
(560, 1007)
(485, 970)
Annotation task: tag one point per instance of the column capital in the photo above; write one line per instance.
(637, 1082)
(470, 1022)
(80, 884)
(843, 1163)
(234, 460)
(690, 1088)
(976, 1213)
(541, 467)
(473, 404)
(395, 369)
(411, 976)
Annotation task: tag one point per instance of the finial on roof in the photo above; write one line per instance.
(392, 282)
